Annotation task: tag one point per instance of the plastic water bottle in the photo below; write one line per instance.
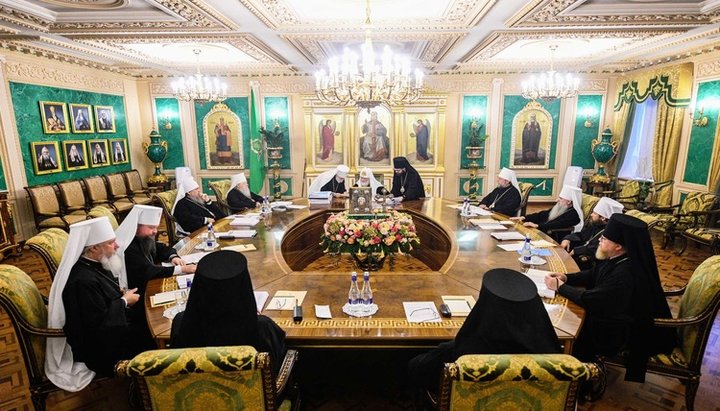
(465, 207)
(354, 293)
(526, 252)
(265, 209)
(211, 239)
(366, 293)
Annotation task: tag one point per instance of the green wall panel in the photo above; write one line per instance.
(3, 183)
(697, 166)
(25, 100)
(168, 112)
(239, 106)
(512, 105)
(471, 106)
(464, 187)
(543, 186)
(581, 155)
(276, 110)
(285, 186)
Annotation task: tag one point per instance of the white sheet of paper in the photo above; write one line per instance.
(538, 277)
(182, 280)
(296, 206)
(322, 311)
(421, 312)
(217, 234)
(543, 244)
(280, 203)
(479, 211)
(286, 300)
(260, 299)
(459, 305)
(165, 297)
(506, 222)
(511, 246)
(241, 248)
(513, 235)
(245, 221)
(491, 226)
(193, 258)
(242, 233)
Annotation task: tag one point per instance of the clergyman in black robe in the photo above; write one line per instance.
(406, 180)
(193, 213)
(239, 197)
(221, 310)
(508, 318)
(559, 216)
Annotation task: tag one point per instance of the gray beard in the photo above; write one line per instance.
(246, 192)
(600, 255)
(196, 200)
(556, 211)
(361, 184)
(114, 264)
(148, 247)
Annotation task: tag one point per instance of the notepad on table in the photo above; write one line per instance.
(240, 248)
(490, 226)
(164, 298)
(512, 246)
(251, 221)
(542, 244)
(538, 277)
(505, 236)
(322, 311)
(459, 305)
(296, 206)
(193, 258)
(260, 299)
(479, 211)
(421, 312)
(286, 300)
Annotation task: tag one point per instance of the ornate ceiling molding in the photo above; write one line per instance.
(43, 75)
(707, 69)
(88, 4)
(240, 87)
(23, 19)
(62, 57)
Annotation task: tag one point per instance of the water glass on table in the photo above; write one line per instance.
(181, 299)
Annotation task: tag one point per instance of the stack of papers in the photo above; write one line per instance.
(543, 244)
(421, 312)
(193, 258)
(459, 305)
(513, 235)
(244, 220)
(488, 226)
(280, 204)
(538, 277)
(320, 197)
(286, 300)
(167, 297)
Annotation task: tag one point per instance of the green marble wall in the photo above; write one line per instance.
(697, 165)
(464, 187)
(512, 105)
(25, 100)
(238, 105)
(471, 106)
(543, 186)
(167, 111)
(285, 186)
(276, 110)
(581, 155)
(3, 184)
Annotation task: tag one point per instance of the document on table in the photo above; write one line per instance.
(459, 305)
(489, 226)
(241, 248)
(286, 300)
(164, 298)
(479, 211)
(512, 235)
(260, 299)
(242, 233)
(421, 312)
(193, 258)
(538, 277)
(542, 244)
(243, 220)
(280, 204)
(296, 206)
(512, 246)
(322, 312)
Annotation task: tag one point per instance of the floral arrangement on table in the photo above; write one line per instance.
(393, 232)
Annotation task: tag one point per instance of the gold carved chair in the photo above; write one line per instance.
(698, 307)
(47, 210)
(525, 190)
(588, 205)
(20, 298)
(220, 189)
(98, 194)
(73, 197)
(628, 195)
(120, 196)
(49, 244)
(166, 200)
(221, 378)
(102, 211)
(513, 382)
(140, 193)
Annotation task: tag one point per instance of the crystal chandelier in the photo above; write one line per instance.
(550, 85)
(199, 88)
(365, 82)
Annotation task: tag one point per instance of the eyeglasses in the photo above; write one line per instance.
(424, 314)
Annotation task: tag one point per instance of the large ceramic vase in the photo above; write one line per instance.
(603, 150)
(156, 152)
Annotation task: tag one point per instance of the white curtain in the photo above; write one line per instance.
(638, 162)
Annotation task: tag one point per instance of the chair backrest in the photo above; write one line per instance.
(116, 186)
(525, 190)
(513, 382)
(220, 188)
(222, 378)
(96, 190)
(588, 204)
(701, 298)
(72, 195)
(134, 181)
(44, 202)
(698, 201)
(662, 193)
(50, 244)
(102, 211)
(166, 199)
(20, 297)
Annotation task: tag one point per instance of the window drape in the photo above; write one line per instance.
(638, 161)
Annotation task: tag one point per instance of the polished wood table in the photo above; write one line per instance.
(456, 253)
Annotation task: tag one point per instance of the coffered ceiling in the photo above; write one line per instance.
(156, 38)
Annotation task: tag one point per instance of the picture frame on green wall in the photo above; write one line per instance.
(99, 153)
(118, 150)
(54, 117)
(75, 152)
(45, 157)
(81, 118)
(105, 119)
(532, 129)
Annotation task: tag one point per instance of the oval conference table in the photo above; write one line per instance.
(456, 254)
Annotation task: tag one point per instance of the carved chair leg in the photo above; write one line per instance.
(684, 246)
(691, 387)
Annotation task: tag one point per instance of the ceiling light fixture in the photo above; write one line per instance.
(550, 85)
(368, 83)
(199, 88)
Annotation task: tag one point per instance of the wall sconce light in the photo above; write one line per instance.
(589, 113)
(700, 120)
(166, 124)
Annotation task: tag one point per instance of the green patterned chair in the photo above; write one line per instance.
(220, 378)
(662, 193)
(628, 195)
(672, 221)
(102, 211)
(698, 307)
(513, 382)
(49, 244)
(20, 298)
(220, 188)
(166, 200)
(47, 210)
(525, 190)
(588, 205)
(702, 235)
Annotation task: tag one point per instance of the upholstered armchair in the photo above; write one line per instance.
(628, 195)
(661, 194)
(102, 211)
(220, 378)
(166, 200)
(671, 221)
(73, 197)
(140, 194)
(47, 210)
(525, 190)
(120, 196)
(220, 188)
(513, 382)
(50, 245)
(698, 307)
(20, 298)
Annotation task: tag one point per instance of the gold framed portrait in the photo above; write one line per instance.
(532, 129)
(45, 155)
(118, 151)
(75, 153)
(54, 117)
(81, 118)
(99, 153)
(105, 119)
(375, 137)
(222, 135)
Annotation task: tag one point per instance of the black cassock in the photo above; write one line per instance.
(96, 324)
(191, 215)
(506, 200)
(238, 202)
(584, 243)
(334, 186)
(567, 219)
(411, 181)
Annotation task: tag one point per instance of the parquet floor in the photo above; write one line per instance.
(377, 385)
